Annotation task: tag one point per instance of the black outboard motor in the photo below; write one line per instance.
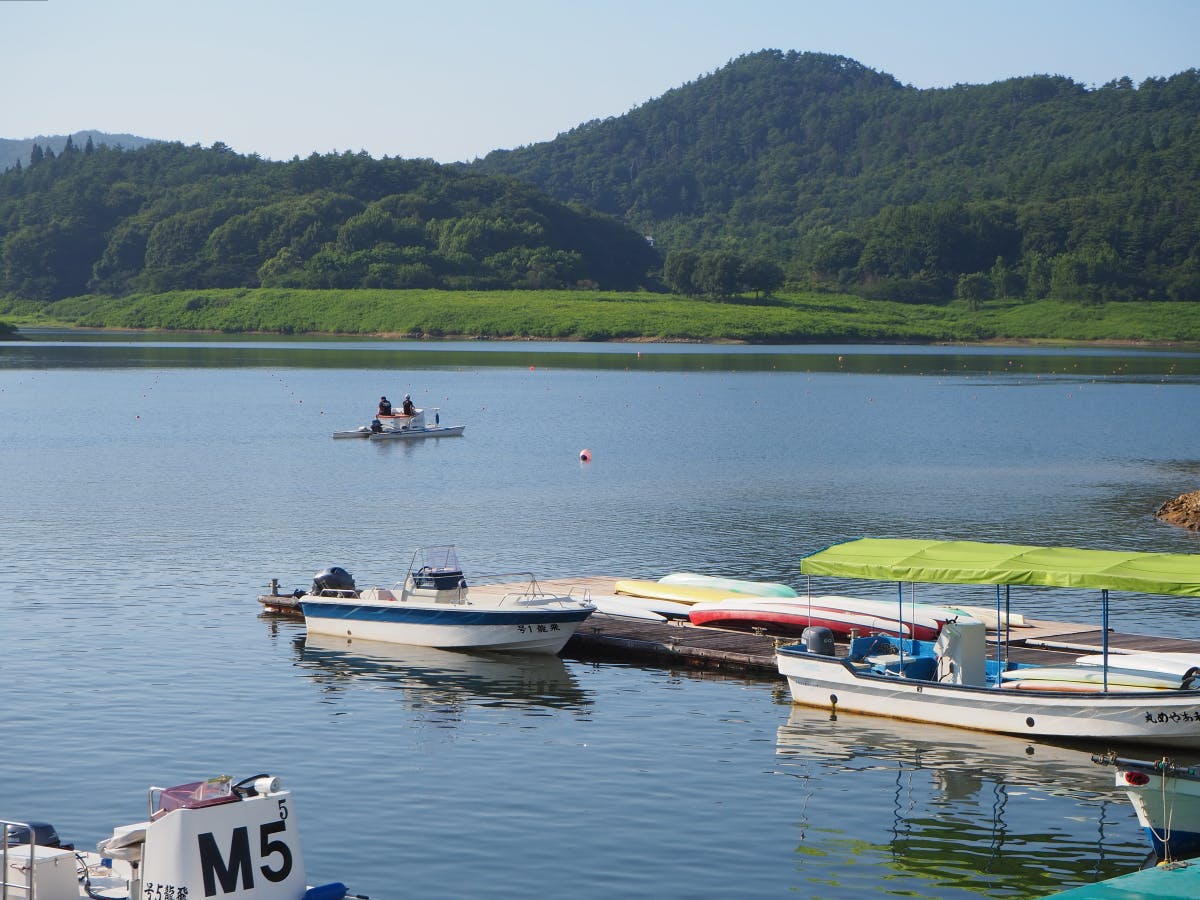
(335, 578)
(818, 640)
(44, 835)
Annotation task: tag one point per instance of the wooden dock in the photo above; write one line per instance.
(678, 642)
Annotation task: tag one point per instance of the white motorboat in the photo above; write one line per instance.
(401, 427)
(434, 607)
(952, 681)
(204, 839)
(1166, 799)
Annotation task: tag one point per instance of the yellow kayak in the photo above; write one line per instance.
(680, 593)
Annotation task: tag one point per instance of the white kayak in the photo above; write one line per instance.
(990, 617)
(624, 607)
(1143, 679)
(1181, 664)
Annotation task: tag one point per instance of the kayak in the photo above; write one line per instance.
(794, 618)
(679, 593)
(736, 585)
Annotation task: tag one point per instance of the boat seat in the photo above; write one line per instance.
(126, 843)
(921, 667)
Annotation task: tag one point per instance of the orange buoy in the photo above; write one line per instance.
(585, 455)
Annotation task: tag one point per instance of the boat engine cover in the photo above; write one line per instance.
(818, 639)
(961, 651)
(335, 578)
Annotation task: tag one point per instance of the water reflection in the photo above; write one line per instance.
(957, 808)
(444, 683)
(50, 348)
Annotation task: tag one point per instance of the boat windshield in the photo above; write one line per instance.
(436, 559)
(436, 568)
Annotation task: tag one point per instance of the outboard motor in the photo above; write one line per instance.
(818, 640)
(335, 578)
(44, 834)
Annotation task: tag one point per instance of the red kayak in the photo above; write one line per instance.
(793, 618)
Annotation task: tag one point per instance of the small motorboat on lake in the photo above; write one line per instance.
(202, 839)
(1166, 799)
(434, 607)
(402, 427)
(953, 682)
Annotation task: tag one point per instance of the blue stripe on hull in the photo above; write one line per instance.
(1182, 844)
(401, 615)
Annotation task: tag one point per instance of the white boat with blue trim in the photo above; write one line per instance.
(399, 427)
(952, 681)
(434, 607)
(202, 839)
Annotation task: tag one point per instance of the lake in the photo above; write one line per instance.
(155, 483)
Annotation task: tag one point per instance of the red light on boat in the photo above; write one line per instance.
(1137, 779)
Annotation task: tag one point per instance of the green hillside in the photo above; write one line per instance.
(96, 220)
(1036, 186)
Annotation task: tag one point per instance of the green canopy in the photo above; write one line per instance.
(973, 562)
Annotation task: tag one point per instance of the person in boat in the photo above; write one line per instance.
(385, 406)
(376, 426)
(408, 408)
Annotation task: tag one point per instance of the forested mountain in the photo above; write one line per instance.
(15, 153)
(166, 217)
(1022, 188)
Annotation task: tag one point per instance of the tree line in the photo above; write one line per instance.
(97, 220)
(806, 168)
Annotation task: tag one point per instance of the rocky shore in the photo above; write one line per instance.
(1184, 511)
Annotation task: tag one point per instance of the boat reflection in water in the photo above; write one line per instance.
(443, 681)
(956, 810)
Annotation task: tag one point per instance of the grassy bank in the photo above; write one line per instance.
(573, 315)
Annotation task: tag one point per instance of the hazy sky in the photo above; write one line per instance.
(455, 79)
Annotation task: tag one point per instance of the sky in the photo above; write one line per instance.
(452, 80)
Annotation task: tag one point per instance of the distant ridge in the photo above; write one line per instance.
(1027, 187)
(13, 150)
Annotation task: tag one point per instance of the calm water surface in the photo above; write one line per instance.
(154, 485)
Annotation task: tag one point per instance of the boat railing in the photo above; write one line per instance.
(521, 578)
(524, 587)
(1164, 767)
(12, 831)
(337, 592)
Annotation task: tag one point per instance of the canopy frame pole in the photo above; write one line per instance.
(1104, 629)
(999, 648)
(1007, 625)
(900, 624)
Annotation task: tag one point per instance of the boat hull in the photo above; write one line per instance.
(1157, 718)
(415, 433)
(1168, 809)
(537, 629)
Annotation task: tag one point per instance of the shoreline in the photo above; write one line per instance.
(1126, 343)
